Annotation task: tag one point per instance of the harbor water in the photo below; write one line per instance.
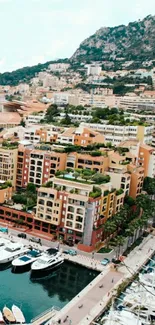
(34, 296)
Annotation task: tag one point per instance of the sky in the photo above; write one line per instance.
(36, 31)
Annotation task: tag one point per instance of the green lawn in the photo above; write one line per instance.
(104, 250)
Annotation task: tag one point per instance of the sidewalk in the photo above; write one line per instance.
(94, 299)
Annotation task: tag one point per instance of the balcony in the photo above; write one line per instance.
(38, 175)
(41, 202)
(78, 226)
(40, 216)
(75, 202)
(32, 162)
(32, 168)
(69, 224)
(49, 204)
(20, 160)
(31, 174)
(69, 216)
(42, 194)
(79, 219)
(70, 164)
(38, 181)
(53, 165)
(52, 172)
(48, 210)
(39, 163)
(71, 209)
(48, 218)
(80, 211)
(39, 169)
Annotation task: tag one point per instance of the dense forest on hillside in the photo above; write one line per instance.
(25, 74)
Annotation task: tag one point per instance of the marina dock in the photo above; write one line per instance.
(92, 300)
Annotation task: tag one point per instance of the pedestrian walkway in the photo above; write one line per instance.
(91, 301)
(86, 261)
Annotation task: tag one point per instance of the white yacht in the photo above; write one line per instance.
(3, 243)
(123, 317)
(23, 263)
(11, 251)
(148, 279)
(49, 261)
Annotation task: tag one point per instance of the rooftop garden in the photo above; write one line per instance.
(114, 117)
(9, 145)
(119, 192)
(27, 198)
(83, 175)
(95, 193)
(5, 185)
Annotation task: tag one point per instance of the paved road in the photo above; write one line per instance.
(48, 243)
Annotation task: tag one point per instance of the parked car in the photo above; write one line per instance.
(66, 251)
(22, 235)
(68, 242)
(72, 252)
(115, 261)
(35, 240)
(4, 230)
(105, 261)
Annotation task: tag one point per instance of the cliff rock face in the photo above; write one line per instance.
(129, 43)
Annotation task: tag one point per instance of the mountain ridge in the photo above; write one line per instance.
(129, 42)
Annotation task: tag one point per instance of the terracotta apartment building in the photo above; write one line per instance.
(37, 166)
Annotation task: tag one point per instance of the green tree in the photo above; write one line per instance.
(31, 188)
(51, 113)
(109, 229)
(100, 178)
(22, 123)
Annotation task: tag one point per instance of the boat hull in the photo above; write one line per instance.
(21, 268)
(10, 259)
(42, 272)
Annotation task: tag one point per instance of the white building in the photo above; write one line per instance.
(116, 134)
(94, 70)
(34, 119)
(77, 117)
(58, 67)
(60, 98)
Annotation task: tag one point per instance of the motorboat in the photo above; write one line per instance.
(1, 319)
(148, 279)
(18, 314)
(23, 263)
(50, 260)
(3, 243)
(8, 316)
(11, 251)
(123, 317)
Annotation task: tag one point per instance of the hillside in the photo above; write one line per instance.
(122, 43)
(24, 74)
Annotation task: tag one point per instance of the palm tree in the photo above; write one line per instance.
(109, 228)
(137, 226)
(129, 233)
(118, 219)
(118, 242)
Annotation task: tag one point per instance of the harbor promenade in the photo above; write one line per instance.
(94, 298)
